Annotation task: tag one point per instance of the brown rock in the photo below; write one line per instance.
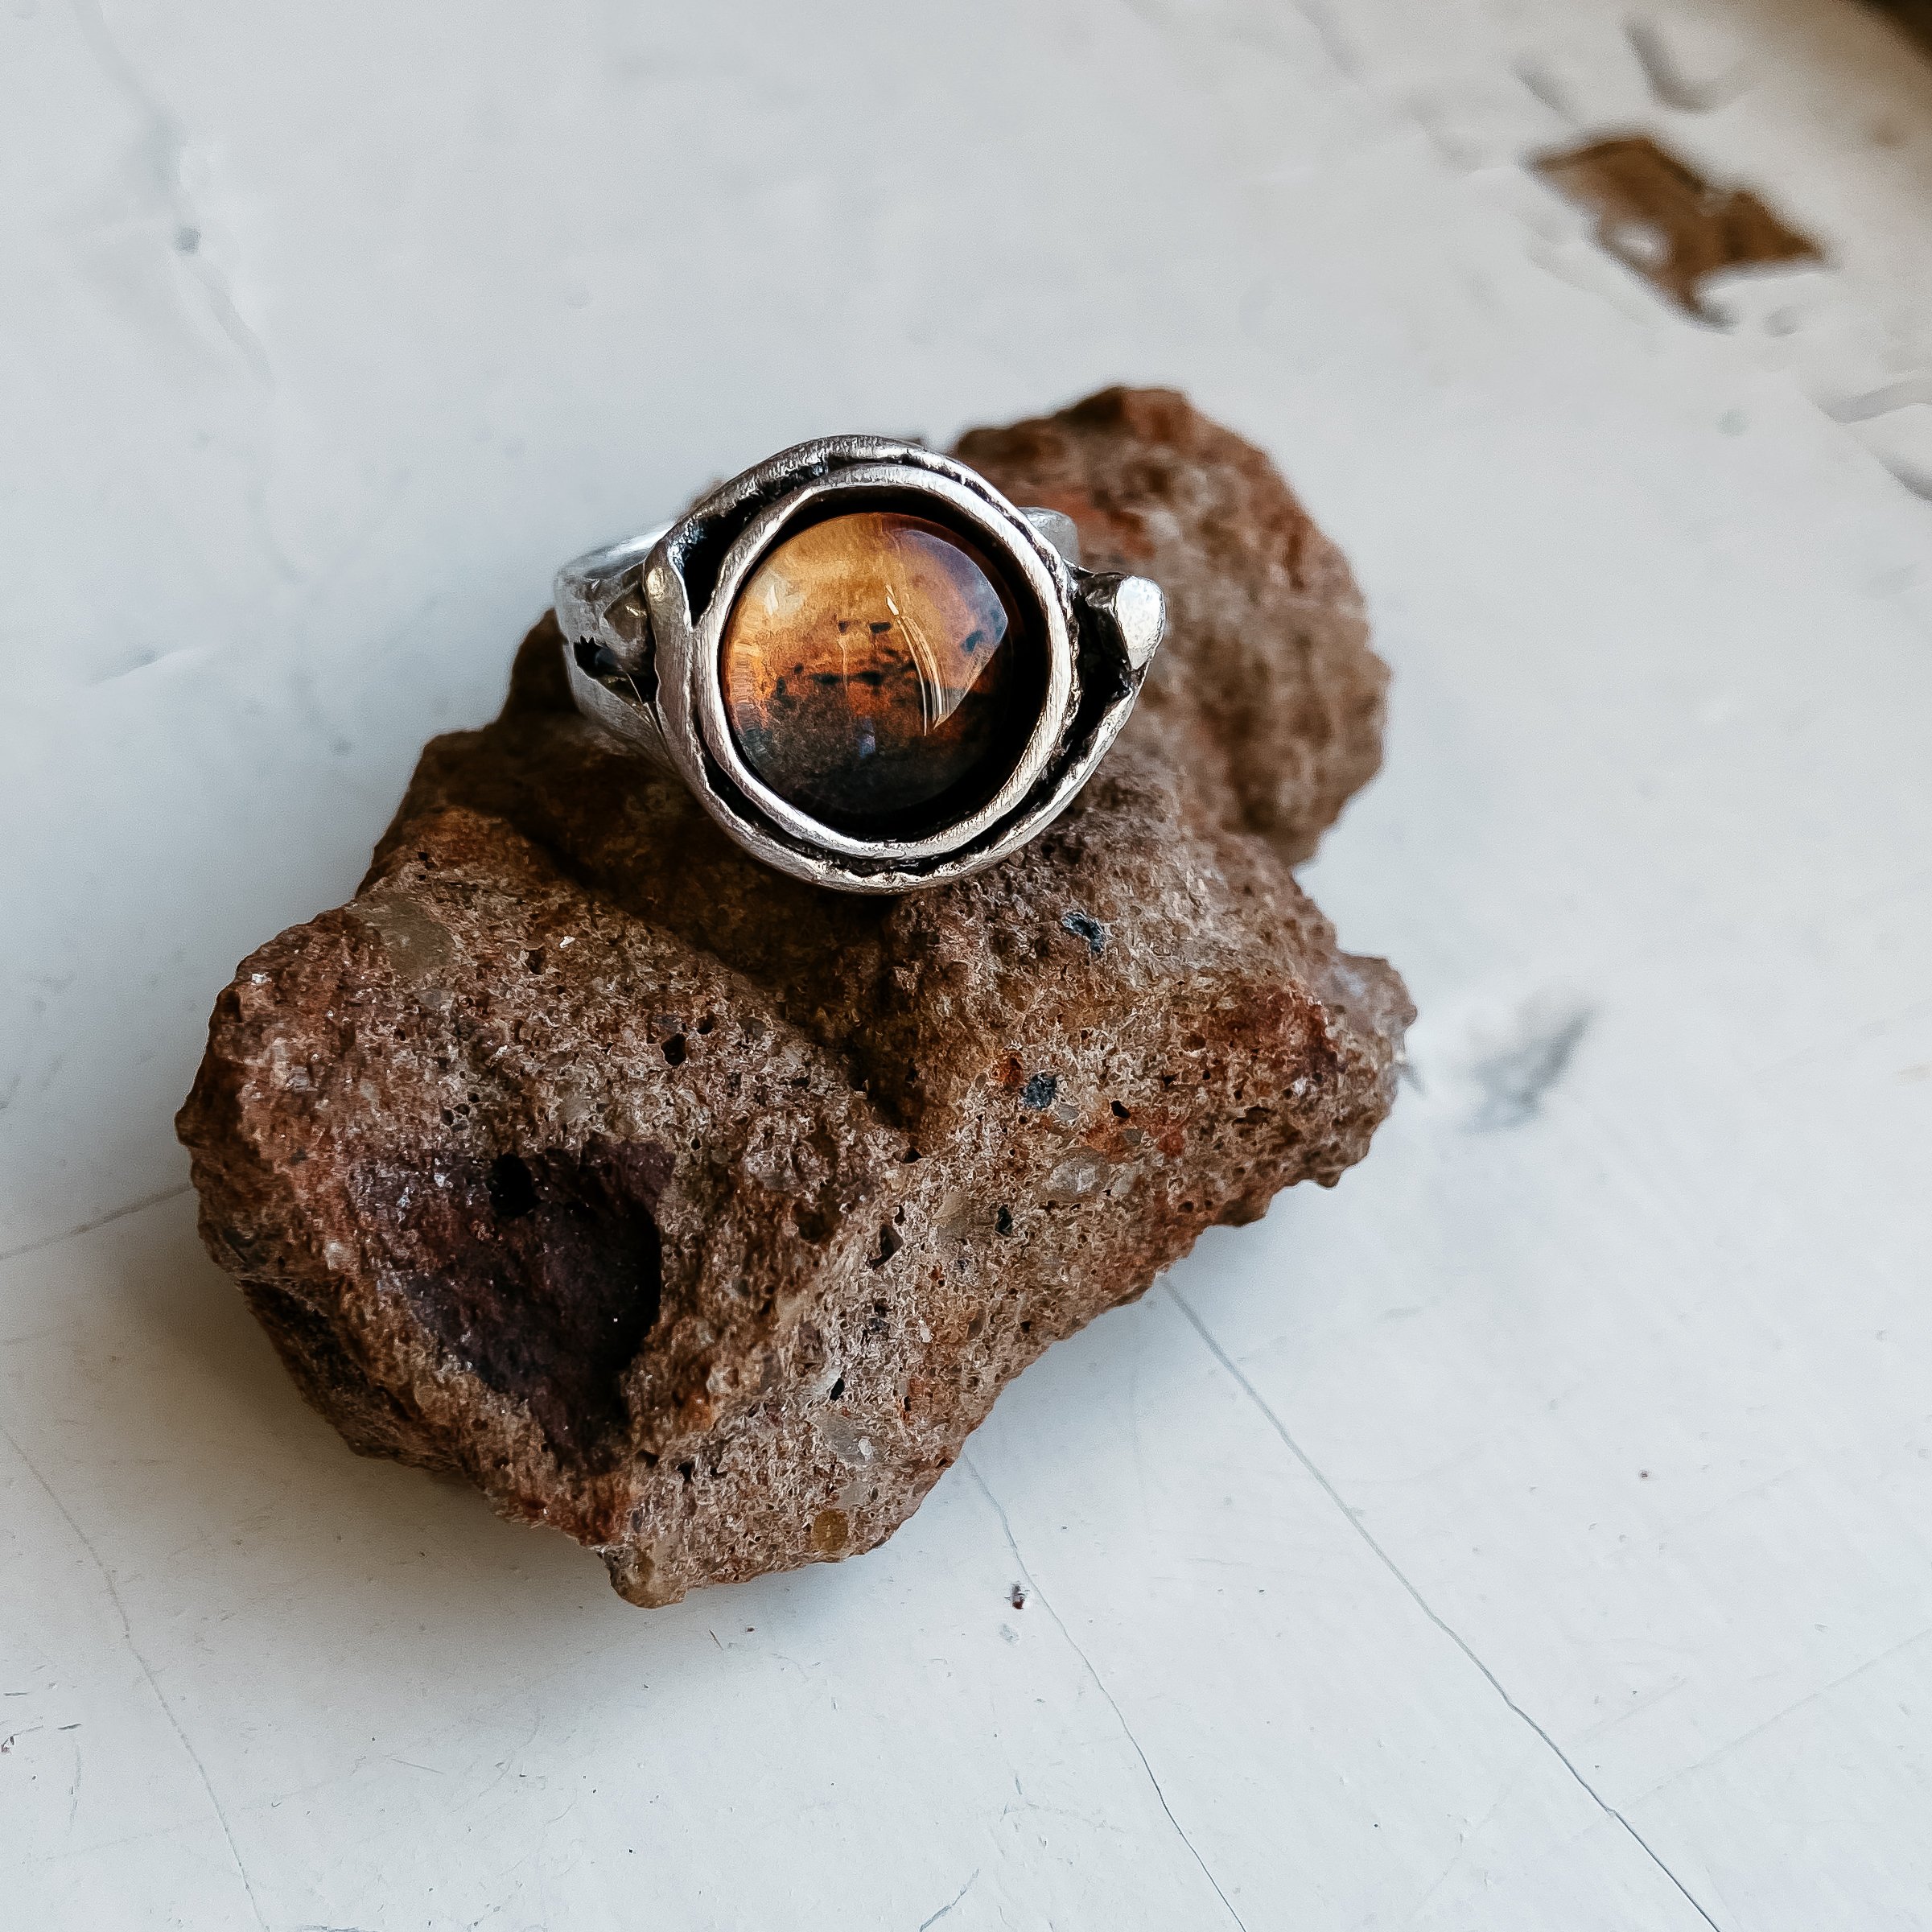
(702, 1214)
(1266, 692)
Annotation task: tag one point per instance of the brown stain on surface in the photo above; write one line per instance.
(1660, 217)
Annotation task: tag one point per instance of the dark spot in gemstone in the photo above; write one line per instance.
(1038, 1092)
(917, 721)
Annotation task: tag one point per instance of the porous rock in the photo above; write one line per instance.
(701, 1213)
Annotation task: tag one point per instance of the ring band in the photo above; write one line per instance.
(871, 668)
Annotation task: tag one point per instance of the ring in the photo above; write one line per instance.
(870, 668)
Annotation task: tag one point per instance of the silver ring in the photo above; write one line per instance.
(872, 670)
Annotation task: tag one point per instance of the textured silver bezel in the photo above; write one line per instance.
(644, 623)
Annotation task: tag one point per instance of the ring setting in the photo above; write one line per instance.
(871, 668)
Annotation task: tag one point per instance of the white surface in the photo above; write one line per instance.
(1533, 1532)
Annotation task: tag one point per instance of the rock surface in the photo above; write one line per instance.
(702, 1214)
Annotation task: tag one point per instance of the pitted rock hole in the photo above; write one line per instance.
(552, 1278)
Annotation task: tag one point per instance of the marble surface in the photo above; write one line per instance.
(1533, 1531)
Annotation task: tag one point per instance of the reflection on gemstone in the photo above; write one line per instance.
(870, 669)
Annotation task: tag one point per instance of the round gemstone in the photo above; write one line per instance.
(872, 672)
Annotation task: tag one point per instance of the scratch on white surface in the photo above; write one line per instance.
(961, 1894)
(1023, 1804)
(1034, 1592)
(1455, 1859)
(166, 143)
(1389, 1563)
(1920, 486)
(1515, 1074)
(100, 1221)
(1239, 25)
(1904, 393)
(1778, 1717)
(1336, 44)
(134, 1651)
(1693, 64)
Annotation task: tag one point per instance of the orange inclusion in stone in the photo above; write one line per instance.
(869, 671)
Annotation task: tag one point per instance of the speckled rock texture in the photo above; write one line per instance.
(702, 1214)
